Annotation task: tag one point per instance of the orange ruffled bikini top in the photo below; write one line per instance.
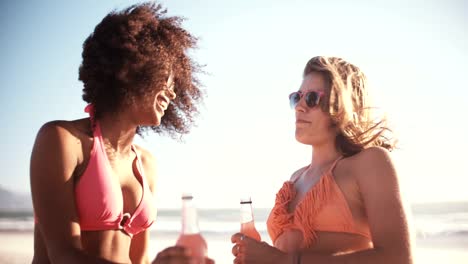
(323, 208)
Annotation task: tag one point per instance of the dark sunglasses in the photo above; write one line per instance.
(312, 98)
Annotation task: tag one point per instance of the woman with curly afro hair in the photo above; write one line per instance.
(345, 206)
(91, 186)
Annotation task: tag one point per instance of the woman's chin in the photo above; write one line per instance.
(304, 140)
(154, 121)
(157, 121)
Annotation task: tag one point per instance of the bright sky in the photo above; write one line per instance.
(414, 54)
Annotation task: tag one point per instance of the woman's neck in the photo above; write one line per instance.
(324, 154)
(118, 133)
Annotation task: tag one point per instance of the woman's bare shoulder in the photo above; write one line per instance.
(366, 157)
(370, 162)
(66, 129)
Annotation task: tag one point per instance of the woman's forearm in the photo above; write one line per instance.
(370, 256)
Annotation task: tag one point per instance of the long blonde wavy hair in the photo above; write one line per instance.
(346, 100)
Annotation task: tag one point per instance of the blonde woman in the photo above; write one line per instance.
(345, 206)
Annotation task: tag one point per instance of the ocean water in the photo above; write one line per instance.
(441, 225)
(430, 221)
(437, 227)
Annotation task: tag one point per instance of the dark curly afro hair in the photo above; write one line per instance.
(131, 54)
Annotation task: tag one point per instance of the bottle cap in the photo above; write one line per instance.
(246, 200)
(187, 196)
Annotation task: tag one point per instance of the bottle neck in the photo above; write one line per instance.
(189, 218)
(246, 212)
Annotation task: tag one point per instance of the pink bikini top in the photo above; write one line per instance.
(98, 196)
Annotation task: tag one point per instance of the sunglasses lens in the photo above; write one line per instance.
(311, 99)
(294, 99)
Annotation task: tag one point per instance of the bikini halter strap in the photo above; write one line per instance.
(91, 111)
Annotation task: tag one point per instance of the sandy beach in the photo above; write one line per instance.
(17, 248)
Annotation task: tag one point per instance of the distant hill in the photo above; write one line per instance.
(11, 201)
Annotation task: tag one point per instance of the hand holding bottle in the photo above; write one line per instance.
(247, 219)
(190, 237)
(247, 250)
(178, 255)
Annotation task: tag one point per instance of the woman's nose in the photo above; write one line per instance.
(300, 106)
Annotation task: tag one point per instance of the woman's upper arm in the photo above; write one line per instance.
(378, 183)
(53, 161)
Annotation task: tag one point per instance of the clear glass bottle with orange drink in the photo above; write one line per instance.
(247, 219)
(190, 236)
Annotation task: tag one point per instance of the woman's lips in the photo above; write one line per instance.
(302, 121)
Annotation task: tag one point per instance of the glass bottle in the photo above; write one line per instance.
(190, 236)
(247, 220)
